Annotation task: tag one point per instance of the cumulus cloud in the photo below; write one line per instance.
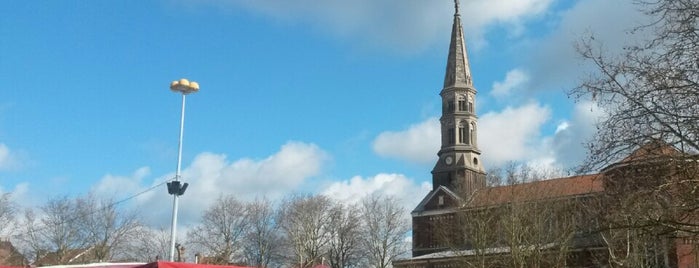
(516, 134)
(9, 160)
(396, 185)
(418, 144)
(405, 25)
(514, 79)
(115, 186)
(553, 60)
(512, 134)
(567, 143)
(20, 194)
(211, 175)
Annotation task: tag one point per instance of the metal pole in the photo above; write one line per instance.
(173, 228)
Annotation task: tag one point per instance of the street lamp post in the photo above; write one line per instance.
(174, 187)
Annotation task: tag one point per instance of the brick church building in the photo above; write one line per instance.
(463, 222)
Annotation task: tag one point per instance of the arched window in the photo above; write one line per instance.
(449, 106)
(472, 135)
(462, 103)
(452, 135)
(470, 104)
(463, 133)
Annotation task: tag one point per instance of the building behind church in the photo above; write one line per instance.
(560, 222)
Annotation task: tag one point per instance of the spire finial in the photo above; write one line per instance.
(456, 6)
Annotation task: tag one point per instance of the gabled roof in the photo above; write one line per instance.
(421, 206)
(653, 150)
(538, 190)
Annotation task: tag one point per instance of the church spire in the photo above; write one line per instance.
(459, 167)
(458, 72)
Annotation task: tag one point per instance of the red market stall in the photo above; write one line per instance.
(165, 264)
(159, 264)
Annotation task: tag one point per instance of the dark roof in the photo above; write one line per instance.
(421, 206)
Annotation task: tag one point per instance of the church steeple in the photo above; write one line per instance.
(459, 167)
(458, 72)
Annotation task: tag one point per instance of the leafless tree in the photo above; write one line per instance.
(108, 230)
(261, 243)
(650, 91)
(649, 94)
(222, 229)
(385, 228)
(303, 221)
(523, 223)
(638, 214)
(345, 230)
(8, 209)
(51, 236)
(154, 244)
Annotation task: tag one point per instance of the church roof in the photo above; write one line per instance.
(537, 190)
(653, 150)
(421, 206)
(458, 73)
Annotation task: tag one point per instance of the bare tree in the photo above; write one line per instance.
(222, 229)
(8, 209)
(651, 91)
(385, 228)
(649, 94)
(638, 213)
(153, 245)
(303, 221)
(261, 243)
(524, 223)
(344, 228)
(109, 230)
(536, 232)
(51, 236)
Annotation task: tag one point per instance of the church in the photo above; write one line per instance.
(464, 222)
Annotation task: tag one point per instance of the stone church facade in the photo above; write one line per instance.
(441, 237)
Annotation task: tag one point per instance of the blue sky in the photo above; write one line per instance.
(334, 97)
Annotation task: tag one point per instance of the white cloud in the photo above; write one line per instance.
(211, 175)
(513, 79)
(396, 185)
(553, 61)
(512, 134)
(21, 194)
(113, 186)
(419, 143)
(567, 144)
(4, 155)
(9, 160)
(396, 24)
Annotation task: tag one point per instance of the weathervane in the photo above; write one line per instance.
(456, 6)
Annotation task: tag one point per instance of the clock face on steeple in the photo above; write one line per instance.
(448, 160)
